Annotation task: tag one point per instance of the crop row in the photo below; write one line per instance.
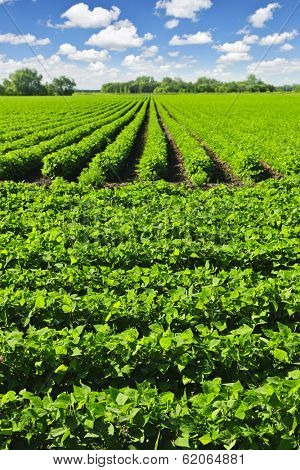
(197, 164)
(108, 163)
(245, 133)
(245, 164)
(19, 163)
(21, 115)
(57, 127)
(219, 416)
(42, 123)
(154, 160)
(69, 161)
(141, 296)
(182, 359)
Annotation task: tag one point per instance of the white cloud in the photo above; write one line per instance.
(183, 8)
(119, 37)
(174, 54)
(275, 39)
(287, 47)
(238, 46)
(262, 15)
(87, 76)
(232, 57)
(134, 61)
(97, 67)
(86, 55)
(172, 24)
(204, 37)
(250, 39)
(150, 51)
(66, 49)
(16, 40)
(80, 16)
(157, 67)
(218, 73)
(149, 37)
(278, 66)
(237, 51)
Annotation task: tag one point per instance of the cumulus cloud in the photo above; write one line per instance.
(238, 46)
(232, 57)
(275, 39)
(237, 51)
(287, 47)
(183, 8)
(150, 51)
(274, 67)
(174, 54)
(172, 24)
(219, 73)
(119, 37)
(202, 37)
(262, 15)
(87, 76)
(134, 61)
(250, 39)
(17, 39)
(80, 16)
(86, 55)
(157, 67)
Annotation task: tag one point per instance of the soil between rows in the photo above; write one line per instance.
(176, 171)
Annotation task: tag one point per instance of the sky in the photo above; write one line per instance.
(98, 41)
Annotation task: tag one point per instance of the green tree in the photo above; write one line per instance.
(24, 82)
(63, 86)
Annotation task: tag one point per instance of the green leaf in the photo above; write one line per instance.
(281, 355)
(206, 439)
(57, 432)
(243, 330)
(61, 368)
(121, 399)
(182, 442)
(40, 302)
(165, 342)
(295, 374)
(76, 352)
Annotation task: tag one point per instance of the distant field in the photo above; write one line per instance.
(200, 138)
(150, 296)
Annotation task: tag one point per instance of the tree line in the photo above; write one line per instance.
(147, 84)
(28, 82)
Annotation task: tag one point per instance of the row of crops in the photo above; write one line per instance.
(150, 316)
(193, 135)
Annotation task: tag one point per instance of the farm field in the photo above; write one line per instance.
(150, 279)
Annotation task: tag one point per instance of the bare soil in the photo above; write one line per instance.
(268, 172)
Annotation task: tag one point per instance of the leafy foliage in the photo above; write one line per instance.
(149, 316)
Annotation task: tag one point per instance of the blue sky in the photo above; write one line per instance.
(96, 41)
